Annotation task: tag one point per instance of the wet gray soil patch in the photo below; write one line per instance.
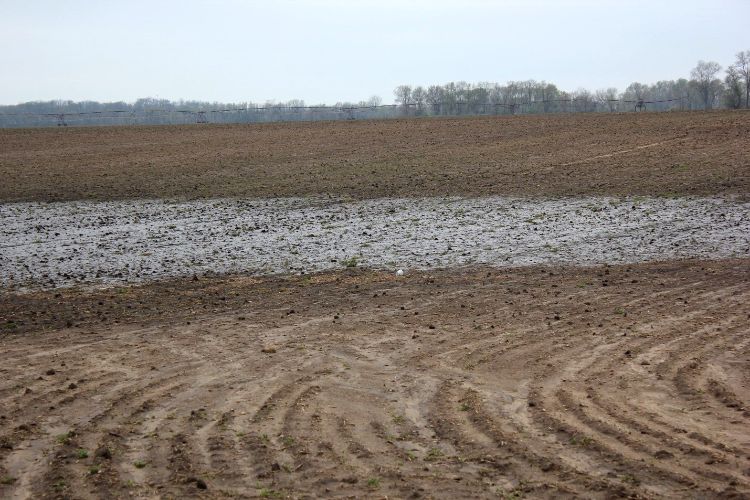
(47, 245)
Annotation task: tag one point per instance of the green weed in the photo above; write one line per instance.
(350, 262)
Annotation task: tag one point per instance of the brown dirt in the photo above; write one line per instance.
(541, 382)
(685, 153)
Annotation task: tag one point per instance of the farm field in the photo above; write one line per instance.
(673, 154)
(214, 311)
(537, 382)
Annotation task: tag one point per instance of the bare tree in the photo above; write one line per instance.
(418, 96)
(403, 95)
(607, 98)
(549, 93)
(478, 97)
(636, 92)
(742, 64)
(450, 98)
(512, 96)
(681, 90)
(704, 75)
(434, 98)
(583, 100)
(733, 82)
(374, 100)
(528, 87)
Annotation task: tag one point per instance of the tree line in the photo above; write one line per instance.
(703, 90)
(150, 111)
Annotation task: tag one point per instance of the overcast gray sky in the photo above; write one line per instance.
(325, 51)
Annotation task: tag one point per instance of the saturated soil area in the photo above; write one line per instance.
(596, 382)
(680, 153)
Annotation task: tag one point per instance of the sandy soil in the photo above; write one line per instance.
(63, 244)
(693, 153)
(540, 382)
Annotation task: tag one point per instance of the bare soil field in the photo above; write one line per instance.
(50, 245)
(688, 153)
(622, 381)
(213, 312)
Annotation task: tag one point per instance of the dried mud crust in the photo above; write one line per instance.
(682, 153)
(50, 245)
(624, 381)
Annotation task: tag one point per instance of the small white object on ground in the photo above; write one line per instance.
(400, 272)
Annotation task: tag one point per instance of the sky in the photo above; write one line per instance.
(326, 51)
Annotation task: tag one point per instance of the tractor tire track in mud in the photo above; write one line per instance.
(539, 381)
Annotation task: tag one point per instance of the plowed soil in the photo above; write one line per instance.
(541, 382)
(544, 381)
(689, 153)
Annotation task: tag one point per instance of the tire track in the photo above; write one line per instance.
(625, 381)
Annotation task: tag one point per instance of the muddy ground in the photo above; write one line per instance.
(687, 153)
(624, 381)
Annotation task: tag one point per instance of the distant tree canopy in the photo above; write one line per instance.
(149, 111)
(704, 90)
